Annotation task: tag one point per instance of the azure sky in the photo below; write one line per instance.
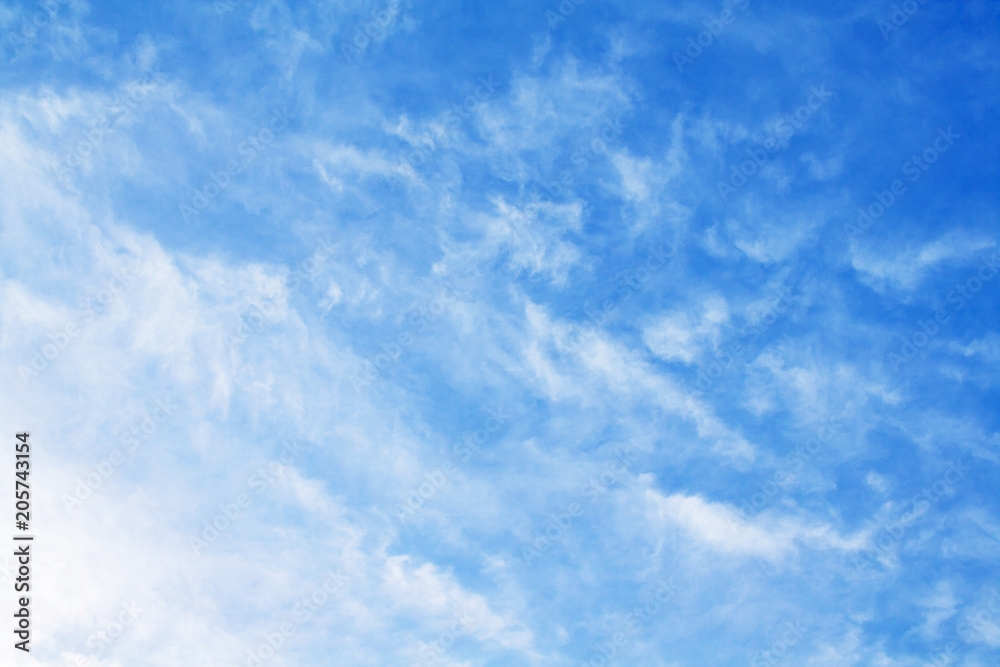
(531, 332)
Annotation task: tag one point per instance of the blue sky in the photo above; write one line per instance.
(504, 333)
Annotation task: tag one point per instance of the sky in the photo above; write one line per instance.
(555, 333)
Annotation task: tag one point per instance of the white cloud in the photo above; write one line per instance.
(906, 270)
(719, 527)
(682, 336)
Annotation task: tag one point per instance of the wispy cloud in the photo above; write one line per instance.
(503, 334)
